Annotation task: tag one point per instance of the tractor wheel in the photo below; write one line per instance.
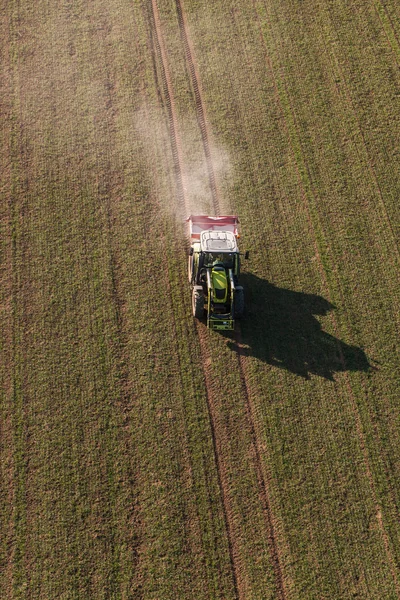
(190, 269)
(239, 302)
(198, 302)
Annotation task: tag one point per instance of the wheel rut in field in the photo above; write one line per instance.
(261, 478)
(168, 99)
(200, 110)
(222, 471)
(212, 394)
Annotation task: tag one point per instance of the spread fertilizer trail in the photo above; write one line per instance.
(178, 164)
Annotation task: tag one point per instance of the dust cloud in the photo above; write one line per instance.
(197, 181)
(182, 170)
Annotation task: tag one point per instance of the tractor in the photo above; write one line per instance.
(214, 270)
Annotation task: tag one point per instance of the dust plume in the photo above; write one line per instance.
(182, 165)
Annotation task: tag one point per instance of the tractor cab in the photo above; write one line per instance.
(214, 268)
(219, 283)
(219, 247)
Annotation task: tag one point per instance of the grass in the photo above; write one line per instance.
(129, 470)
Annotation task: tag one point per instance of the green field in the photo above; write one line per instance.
(144, 457)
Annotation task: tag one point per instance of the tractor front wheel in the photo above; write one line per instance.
(198, 302)
(190, 268)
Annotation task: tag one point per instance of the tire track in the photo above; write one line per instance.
(257, 462)
(200, 110)
(355, 410)
(261, 479)
(223, 481)
(179, 179)
(169, 101)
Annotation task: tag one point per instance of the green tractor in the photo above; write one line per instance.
(214, 270)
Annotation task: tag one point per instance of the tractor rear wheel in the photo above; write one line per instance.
(239, 302)
(198, 302)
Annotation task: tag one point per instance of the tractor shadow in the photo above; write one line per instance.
(281, 328)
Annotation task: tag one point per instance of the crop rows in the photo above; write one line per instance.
(143, 456)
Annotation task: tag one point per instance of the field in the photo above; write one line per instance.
(141, 455)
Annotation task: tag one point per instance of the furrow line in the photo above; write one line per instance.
(358, 421)
(200, 110)
(178, 168)
(262, 483)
